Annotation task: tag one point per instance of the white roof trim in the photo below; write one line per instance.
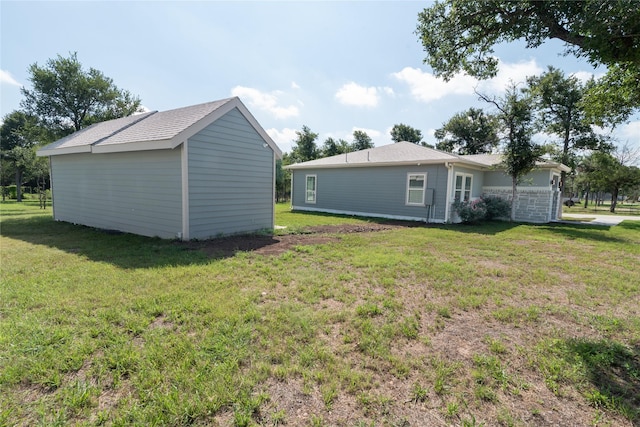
(67, 150)
(133, 146)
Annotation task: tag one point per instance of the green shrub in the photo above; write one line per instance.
(11, 191)
(496, 208)
(483, 209)
(471, 212)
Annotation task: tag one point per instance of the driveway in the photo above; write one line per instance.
(601, 219)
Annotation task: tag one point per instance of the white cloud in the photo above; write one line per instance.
(426, 87)
(516, 73)
(629, 132)
(283, 138)
(265, 101)
(6, 77)
(360, 96)
(294, 85)
(388, 91)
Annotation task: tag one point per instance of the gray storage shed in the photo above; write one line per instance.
(190, 173)
(406, 181)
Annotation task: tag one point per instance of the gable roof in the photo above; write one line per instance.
(151, 131)
(407, 153)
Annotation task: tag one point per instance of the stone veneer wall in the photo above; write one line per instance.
(532, 204)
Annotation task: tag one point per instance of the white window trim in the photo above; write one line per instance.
(464, 188)
(315, 189)
(424, 188)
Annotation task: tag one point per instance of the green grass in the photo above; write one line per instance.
(627, 208)
(298, 222)
(471, 325)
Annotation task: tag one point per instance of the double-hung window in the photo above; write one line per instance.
(463, 187)
(416, 184)
(310, 188)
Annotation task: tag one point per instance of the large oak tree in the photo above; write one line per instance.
(65, 97)
(361, 141)
(469, 132)
(305, 147)
(460, 35)
(401, 132)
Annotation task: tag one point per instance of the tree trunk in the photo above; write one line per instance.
(586, 198)
(18, 185)
(614, 200)
(513, 198)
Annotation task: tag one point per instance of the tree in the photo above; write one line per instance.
(331, 147)
(558, 100)
(305, 148)
(361, 141)
(460, 35)
(520, 154)
(67, 98)
(614, 97)
(609, 173)
(584, 169)
(402, 132)
(19, 134)
(283, 180)
(469, 132)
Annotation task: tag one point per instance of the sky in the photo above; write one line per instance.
(334, 66)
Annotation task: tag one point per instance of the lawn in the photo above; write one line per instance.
(497, 324)
(621, 209)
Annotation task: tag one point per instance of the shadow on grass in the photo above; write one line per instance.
(132, 251)
(613, 370)
(487, 228)
(124, 250)
(599, 233)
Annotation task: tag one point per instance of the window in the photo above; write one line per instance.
(463, 187)
(310, 189)
(416, 183)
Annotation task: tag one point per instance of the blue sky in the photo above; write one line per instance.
(333, 66)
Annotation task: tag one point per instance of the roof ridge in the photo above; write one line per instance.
(143, 116)
(201, 104)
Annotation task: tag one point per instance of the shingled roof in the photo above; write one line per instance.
(151, 131)
(392, 154)
(405, 153)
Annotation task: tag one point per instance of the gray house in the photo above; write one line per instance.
(190, 173)
(409, 182)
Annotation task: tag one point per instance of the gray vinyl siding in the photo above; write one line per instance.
(373, 191)
(230, 179)
(136, 192)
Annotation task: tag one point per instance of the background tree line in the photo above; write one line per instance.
(64, 98)
(457, 36)
(552, 104)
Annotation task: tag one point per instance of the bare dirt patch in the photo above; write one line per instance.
(276, 245)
